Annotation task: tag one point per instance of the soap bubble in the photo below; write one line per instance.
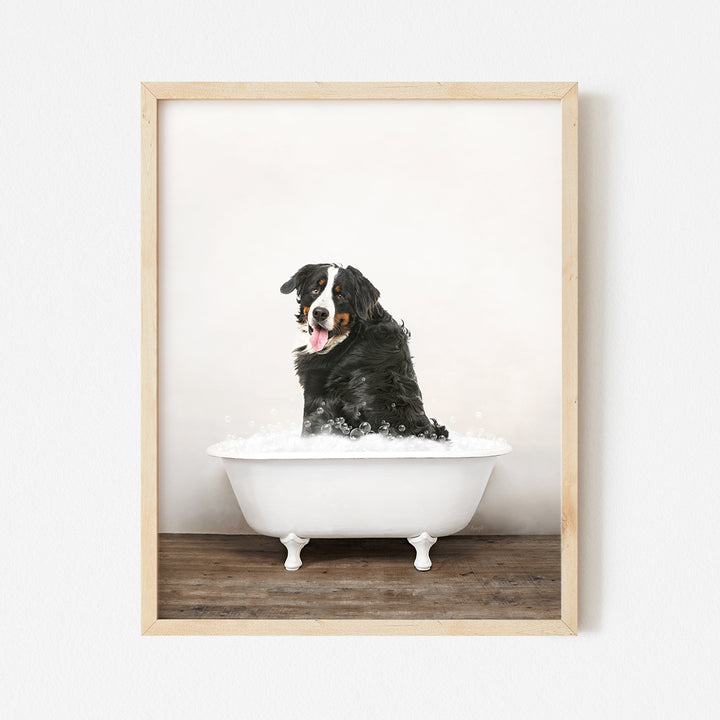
(392, 404)
(307, 423)
(320, 411)
(318, 442)
(362, 379)
(365, 428)
(401, 428)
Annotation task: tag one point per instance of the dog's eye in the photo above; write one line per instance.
(315, 291)
(339, 296)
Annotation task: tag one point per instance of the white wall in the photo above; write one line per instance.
(69, 258)
(451, 209)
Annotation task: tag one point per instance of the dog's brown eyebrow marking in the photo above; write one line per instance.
(306, 310)
(321, 282)
(337, 288)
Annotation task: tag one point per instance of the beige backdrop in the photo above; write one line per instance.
(452, 209)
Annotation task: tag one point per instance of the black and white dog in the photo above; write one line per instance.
(356, 370)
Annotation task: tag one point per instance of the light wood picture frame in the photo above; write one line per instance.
(154, 93)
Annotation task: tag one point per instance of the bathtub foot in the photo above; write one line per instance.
(294, 545)
(422, 544)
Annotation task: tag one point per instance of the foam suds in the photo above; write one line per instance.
(286, 442)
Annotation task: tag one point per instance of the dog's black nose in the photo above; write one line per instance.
(320, 314)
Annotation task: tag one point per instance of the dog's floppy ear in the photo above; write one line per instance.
(366, 294)
(296, 280)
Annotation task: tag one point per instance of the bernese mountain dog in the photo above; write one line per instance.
(356, 370)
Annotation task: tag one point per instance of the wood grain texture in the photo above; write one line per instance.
(569, 526)
(358, 627)
(148, 281)
(358, 91)
(472, 577)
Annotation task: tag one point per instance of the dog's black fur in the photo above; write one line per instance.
(368, 376)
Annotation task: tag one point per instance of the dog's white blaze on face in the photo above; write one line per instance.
(325, 300)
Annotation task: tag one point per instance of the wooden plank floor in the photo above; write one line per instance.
(472, 577)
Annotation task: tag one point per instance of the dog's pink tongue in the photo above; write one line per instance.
(318, 338)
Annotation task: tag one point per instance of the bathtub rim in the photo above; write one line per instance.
(214, 451)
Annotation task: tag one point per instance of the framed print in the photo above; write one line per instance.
(359, 358)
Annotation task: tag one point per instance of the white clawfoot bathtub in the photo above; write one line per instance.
(297, 496)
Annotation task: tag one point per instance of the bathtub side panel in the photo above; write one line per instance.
(327, 498)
